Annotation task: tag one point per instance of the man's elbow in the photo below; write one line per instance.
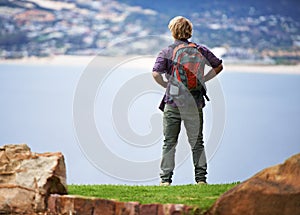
(219, 69)
(156, 75)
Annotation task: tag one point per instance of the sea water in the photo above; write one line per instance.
(258, 126)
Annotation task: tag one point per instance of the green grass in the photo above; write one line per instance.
(202, 196)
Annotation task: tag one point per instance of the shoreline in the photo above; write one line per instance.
(148, 61)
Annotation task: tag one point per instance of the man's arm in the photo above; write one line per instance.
(213, 72)
(159, 79)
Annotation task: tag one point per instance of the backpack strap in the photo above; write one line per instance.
(175, 49)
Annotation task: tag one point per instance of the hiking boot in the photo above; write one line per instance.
(164, 184)
(201, 182)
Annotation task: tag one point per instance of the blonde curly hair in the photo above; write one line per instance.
(181, 27)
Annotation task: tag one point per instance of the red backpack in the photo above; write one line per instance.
(187, 71)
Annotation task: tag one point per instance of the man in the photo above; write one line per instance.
(176, 111)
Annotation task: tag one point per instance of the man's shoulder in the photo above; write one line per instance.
(167, 50)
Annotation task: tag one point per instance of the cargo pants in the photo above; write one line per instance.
(193, 122)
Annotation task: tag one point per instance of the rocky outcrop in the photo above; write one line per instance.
(273, 191)
(69, 204)
(27, 179)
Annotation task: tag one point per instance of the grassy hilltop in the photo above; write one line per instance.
(202, 196)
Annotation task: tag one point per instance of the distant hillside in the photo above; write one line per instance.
(235, 8)
(252, 30)
(265, 19)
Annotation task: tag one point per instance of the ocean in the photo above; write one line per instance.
(107, 124)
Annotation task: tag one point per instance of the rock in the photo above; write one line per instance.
(273, 191)
(148, 209)
(177, 209)
(70, 204)
(127, 208)
(27, 179)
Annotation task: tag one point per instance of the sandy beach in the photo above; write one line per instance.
(145, 61)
